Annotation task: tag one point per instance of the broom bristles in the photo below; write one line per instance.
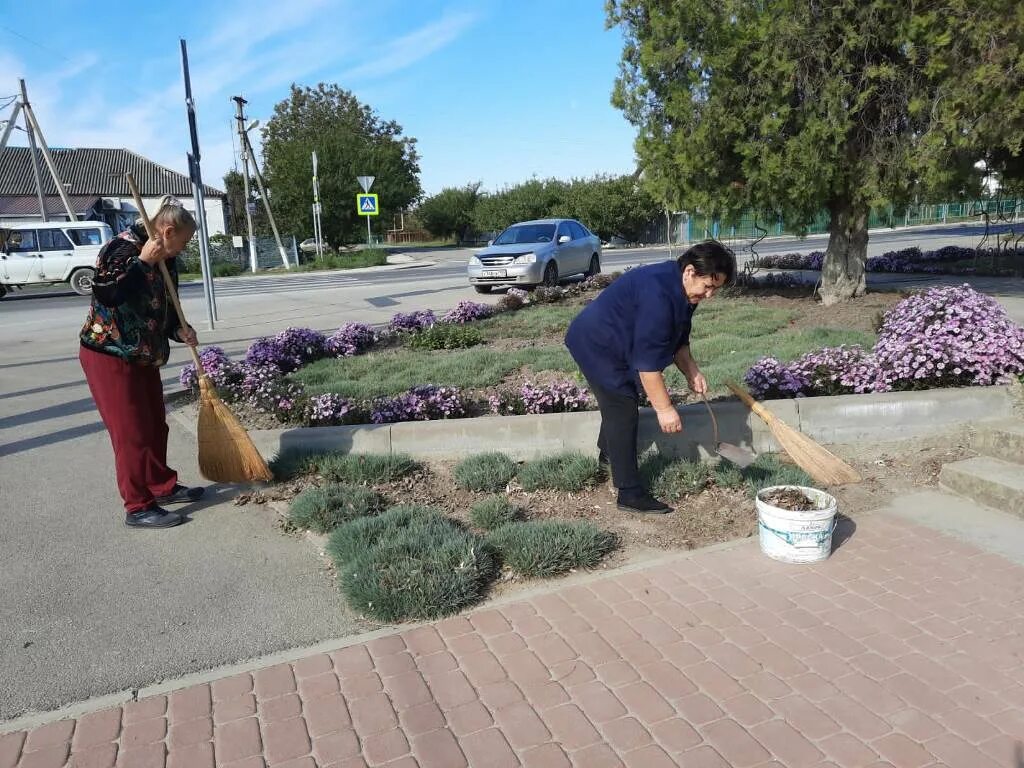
(817, 461)
(226, 452)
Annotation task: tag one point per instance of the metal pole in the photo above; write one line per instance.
(32, 155)
(51, 166)
(369, 237)
(266, 204)
(10, 125)
(240, 125)
(195, 174)
(316, 208)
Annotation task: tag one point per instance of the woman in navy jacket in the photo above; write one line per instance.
(625, 339)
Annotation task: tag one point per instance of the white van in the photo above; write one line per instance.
(40, 253)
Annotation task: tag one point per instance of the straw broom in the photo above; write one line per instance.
(818, 462)
(226, 452)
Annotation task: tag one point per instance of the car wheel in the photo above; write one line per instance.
(595, 267)
(81, 281)
(3, 290)
(551, 275)
(482, 288)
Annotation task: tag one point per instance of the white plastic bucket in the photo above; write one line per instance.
(797, 536)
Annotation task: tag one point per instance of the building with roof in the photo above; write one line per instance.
(94, 180)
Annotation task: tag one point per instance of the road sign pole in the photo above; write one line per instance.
(369, 237)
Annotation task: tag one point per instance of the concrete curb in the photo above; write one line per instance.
(883, 417)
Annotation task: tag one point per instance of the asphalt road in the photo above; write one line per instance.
(88, 607)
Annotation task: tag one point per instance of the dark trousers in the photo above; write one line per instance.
(620, 419)
(130, 399)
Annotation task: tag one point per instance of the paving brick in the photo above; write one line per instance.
(105, 756)
(597, 756)
(916, 725)
(806, 718)
(500, 694)
(713, 680)
(469, 643)
(385, 646)
(231, 687)
(315, 686)
(10, 748)
(1003, 749)
(195, 756)
(274, 681)
(488, 749)
(676, 735)
(901, 751)
(144, 709)
(234, 709)
(452, 689)
(285, 740)
(359, 686)
(353, 660)
(812, 686)
(482, 667)
(639, 653)
(491, 623)
(52, 756)
(698, 709)
(408, 689)
(237, 739)
(704, 757)
(510, 642)
(957, 753)
(282, 708)
(546, 756)
(140, 734)
(854, 717)
(421, 719)
(437, 663)
(49, 735)
(977, 700)
(970, 726)
(391, 665)
(570, 727)
(385, 747)
(149, 756)
(870, 693)
(787, 744)
(651, 756)
(874, 666)
(919, 694)
(570, 674)
(747, 709)
(424, 641)
(453, 627)
(438, 749)
(645, 702)
(372, 715)
(631, 610)
(598, 703)
(592, 648)
(543, 694)
(734, 743)
(521, 726)
(732, 660)
(335, 747)
(92, 730)
(848, 751)
(468, 718)
(683, 654)
(767, 686)
(626, 734)
(311, 666)
(618, 673)
(190, 732)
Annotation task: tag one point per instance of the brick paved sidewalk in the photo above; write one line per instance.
(905, 649)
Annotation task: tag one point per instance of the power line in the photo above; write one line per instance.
(37, 44)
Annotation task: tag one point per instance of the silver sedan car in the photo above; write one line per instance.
(538, 252)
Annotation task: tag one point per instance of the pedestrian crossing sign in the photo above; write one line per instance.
(366, 204)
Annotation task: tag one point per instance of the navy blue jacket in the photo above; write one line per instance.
(638, 323)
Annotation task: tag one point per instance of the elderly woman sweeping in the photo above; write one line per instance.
(625, 339)
(123, 344)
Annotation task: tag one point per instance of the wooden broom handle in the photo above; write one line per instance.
(749, 401)
(173, 294)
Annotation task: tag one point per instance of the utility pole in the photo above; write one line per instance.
(317, 231)
(195, 174)
(240, 120)
(264, 197)
(32, 154)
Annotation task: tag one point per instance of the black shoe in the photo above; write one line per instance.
(153, 516)
(602, 459)
(644, 503)
(181, 494)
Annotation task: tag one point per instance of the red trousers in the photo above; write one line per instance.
(130, 399)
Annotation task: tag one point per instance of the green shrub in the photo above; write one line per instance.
(489, 472)
(679, 478)
(366, 468)
(550, 547)
(411, 563)
(292, 463)
(767, 470)
(493, 512)
(564, 472)
(324, 509)
(446, 336)
(728, 475)
(226, 269)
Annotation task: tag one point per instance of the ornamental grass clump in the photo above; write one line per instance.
(357, 536)
(489, 472)
(571, 472)
(545, 548)
(417, 565)
(366, 468)
(323, 509)
(493, 512)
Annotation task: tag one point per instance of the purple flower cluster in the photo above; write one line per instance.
(328, 410)
(289, 350)
(216, 364)
(558, 397)
(519, 293)
(937, 262)
(942, 337)
(467, 312)
(421, 403)
(350, 339)
(812, 260)
(412, 321)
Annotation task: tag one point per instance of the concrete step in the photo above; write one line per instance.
(1004, 442)
(996, 483)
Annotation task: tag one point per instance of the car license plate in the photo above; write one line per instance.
(493, 273)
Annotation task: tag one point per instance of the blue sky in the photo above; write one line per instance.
(495, 91)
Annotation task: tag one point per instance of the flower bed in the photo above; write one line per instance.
(949, 260)
(942, 337)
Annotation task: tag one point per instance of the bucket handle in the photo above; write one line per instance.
(788, 536)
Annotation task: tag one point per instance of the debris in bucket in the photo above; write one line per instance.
(789, 498)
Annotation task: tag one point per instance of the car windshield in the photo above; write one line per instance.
(526, 233)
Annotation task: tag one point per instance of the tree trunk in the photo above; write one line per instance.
(842, 273)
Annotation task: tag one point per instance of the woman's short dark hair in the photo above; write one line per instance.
(710, 258)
